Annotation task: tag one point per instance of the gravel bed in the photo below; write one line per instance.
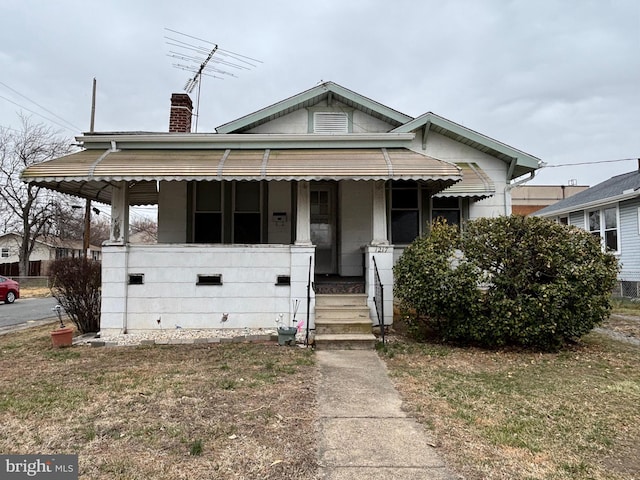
(179, 336)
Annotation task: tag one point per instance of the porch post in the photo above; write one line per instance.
(119, 232)
(303, 220)
(379, 214)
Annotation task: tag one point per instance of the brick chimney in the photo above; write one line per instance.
(180, 116)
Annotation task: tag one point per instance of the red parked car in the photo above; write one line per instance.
(9, 290)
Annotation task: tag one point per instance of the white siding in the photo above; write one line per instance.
(356, 225)
(444, 148)
(630, 240)
(295, 122)
(363, 123)
(577, 219)
(172, 212)
(279, 202)
(248, 294)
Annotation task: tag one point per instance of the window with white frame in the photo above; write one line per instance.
(5, 253)
(563, 220)
(604, 223)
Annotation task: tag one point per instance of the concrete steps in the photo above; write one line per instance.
(343, 322)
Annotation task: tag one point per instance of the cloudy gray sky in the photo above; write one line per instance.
(559, 79)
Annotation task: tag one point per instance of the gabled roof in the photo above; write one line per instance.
(325, 91)
(430, 122)
(616, 189)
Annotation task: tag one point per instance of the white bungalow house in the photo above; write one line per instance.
(318, 187)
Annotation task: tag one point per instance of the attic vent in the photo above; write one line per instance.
(330, 122)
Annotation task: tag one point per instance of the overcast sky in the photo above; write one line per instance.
(559, 79)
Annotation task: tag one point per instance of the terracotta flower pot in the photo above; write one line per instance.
(63, 337)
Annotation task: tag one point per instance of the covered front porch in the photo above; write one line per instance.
(338, 237)
(243, 234)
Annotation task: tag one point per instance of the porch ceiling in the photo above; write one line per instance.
(89, 173)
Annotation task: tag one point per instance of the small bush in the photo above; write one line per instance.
(76, 286)
(546, 284)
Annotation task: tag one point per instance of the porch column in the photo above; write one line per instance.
(379, 214)
(119, 234)
(303, 218)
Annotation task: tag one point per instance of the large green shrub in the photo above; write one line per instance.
(544, 284)
(76, 286)
(433, 282)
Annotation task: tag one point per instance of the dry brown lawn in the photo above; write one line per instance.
(522, 415)
(231, 411)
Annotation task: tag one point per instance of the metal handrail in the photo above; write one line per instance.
(309, 286)
(378, 300)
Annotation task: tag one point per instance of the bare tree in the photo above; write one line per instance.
(30, 209)
(145, 230)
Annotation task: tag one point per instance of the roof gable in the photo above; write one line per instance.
(327, 91)
(429, 122)
(614, 189)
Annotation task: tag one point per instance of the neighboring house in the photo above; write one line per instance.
(315, 187)
(527, 199)
(610, 211)
(45, 251)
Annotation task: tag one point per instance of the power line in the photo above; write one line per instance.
(40, 106)
(590, 163)
(36, 113)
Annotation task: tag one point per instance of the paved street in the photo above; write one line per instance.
(26, 310)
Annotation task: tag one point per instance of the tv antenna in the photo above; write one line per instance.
(209, 61)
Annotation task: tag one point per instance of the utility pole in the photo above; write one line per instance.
(87, 207)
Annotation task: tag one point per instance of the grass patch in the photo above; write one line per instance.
(514, 414)
(222, 411)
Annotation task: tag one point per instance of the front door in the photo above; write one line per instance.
(323, 226)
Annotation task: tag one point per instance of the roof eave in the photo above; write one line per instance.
(239, 140)
(317, 91)
(590, 205)
(525, 162)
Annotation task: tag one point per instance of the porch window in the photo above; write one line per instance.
(246, 215)
(603, 223)
(227, 212)
(447, 209)
(405, 212)
(208, 213)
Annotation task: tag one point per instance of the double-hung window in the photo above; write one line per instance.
(208, 213)
(604, 223)
(246, 213)
(227, 212)
(405, 212)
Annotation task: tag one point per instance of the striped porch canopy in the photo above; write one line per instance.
(475, 183)
(90, 173)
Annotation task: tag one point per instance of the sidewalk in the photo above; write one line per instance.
(364, 434)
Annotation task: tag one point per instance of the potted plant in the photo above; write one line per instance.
(63, 336)
(287, 334)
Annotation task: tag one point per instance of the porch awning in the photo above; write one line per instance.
(475, 183)
(89, 173)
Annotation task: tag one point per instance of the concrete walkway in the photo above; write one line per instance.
(364, 434)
